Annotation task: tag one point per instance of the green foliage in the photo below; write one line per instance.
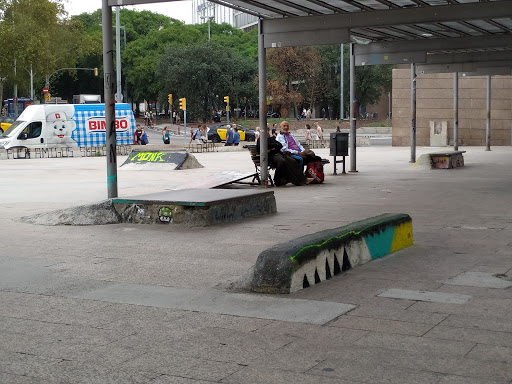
(204, 74)
(36, 35)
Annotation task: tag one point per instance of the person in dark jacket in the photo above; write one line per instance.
(288, 170)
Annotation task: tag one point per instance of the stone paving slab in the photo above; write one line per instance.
(265, 307)
(435, 297)
(479, 279)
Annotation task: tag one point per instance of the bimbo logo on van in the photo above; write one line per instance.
(97, 124)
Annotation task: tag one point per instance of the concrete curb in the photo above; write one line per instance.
(308, 260)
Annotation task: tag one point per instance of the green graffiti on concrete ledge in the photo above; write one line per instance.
(165, 214)
(327, 241)
(149, 156)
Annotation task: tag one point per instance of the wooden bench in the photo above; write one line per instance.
(446, 160)
(255, 157)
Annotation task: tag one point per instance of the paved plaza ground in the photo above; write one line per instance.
(105, 304)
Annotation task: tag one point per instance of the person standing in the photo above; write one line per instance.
(307, 134)
(166, 137)
(146, 118)
(229, 136)
(236, 136)
(319, 131)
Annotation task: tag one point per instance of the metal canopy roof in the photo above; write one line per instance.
(391, 20)
(385, 31)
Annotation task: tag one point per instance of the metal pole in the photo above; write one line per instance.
(185, 126)
(353, 114)
(488, 122)
(119, 94)
(262, 84)
(15, 97)
(31, 83)
(389, 105)
(209, 28)
(108, 69)
(341, 84)
(456, 111)
(413, 113)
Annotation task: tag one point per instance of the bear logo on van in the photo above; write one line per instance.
(60, 128)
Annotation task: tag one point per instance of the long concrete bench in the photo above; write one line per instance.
(311, 259)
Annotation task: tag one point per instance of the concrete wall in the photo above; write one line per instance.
(435, 103)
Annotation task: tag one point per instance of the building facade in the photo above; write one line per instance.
(202, 10)
(435, 109)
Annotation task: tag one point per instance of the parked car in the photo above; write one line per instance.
(5, 122)
(217, 133)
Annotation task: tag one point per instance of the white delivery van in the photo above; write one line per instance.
(67, 125)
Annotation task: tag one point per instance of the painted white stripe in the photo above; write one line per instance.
(435, 297)
(236, 304)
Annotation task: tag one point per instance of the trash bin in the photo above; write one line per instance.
(339, 144)
(338, 147)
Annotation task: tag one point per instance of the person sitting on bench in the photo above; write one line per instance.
(292, 146)
(287, 169)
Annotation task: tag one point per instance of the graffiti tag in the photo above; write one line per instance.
(165, 215)
(149, 156)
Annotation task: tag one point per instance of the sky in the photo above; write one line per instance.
(181, 10)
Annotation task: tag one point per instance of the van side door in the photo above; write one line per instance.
(32, 135)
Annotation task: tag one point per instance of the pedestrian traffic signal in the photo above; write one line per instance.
(226, 99)
(183, 103)
(170, 98)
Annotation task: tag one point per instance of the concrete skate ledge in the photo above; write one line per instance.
(187, 207)
(308, 260)
(195, 207)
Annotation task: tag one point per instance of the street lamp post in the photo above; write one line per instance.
(119, 93)
(209, 18)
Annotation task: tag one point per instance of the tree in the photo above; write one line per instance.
(37, 36)
(371, 81)
(203, 73)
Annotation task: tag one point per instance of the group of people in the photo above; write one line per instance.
(141, 138)
(287, 156)
(305, 114)
(232, 136)
(312, 135)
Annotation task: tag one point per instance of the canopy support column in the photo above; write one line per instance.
(262, 83)
(413, 113)
(353, 110)
(108, 73)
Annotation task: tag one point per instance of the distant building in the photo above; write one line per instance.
(202, 10)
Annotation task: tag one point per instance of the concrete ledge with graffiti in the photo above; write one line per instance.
(195, 207)
(441, 160)
(311, 259)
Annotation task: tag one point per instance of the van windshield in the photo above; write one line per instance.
(10, 131)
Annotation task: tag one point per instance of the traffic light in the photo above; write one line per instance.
(170, 98)
(226, 99)
(183, 103)
(95, 71)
